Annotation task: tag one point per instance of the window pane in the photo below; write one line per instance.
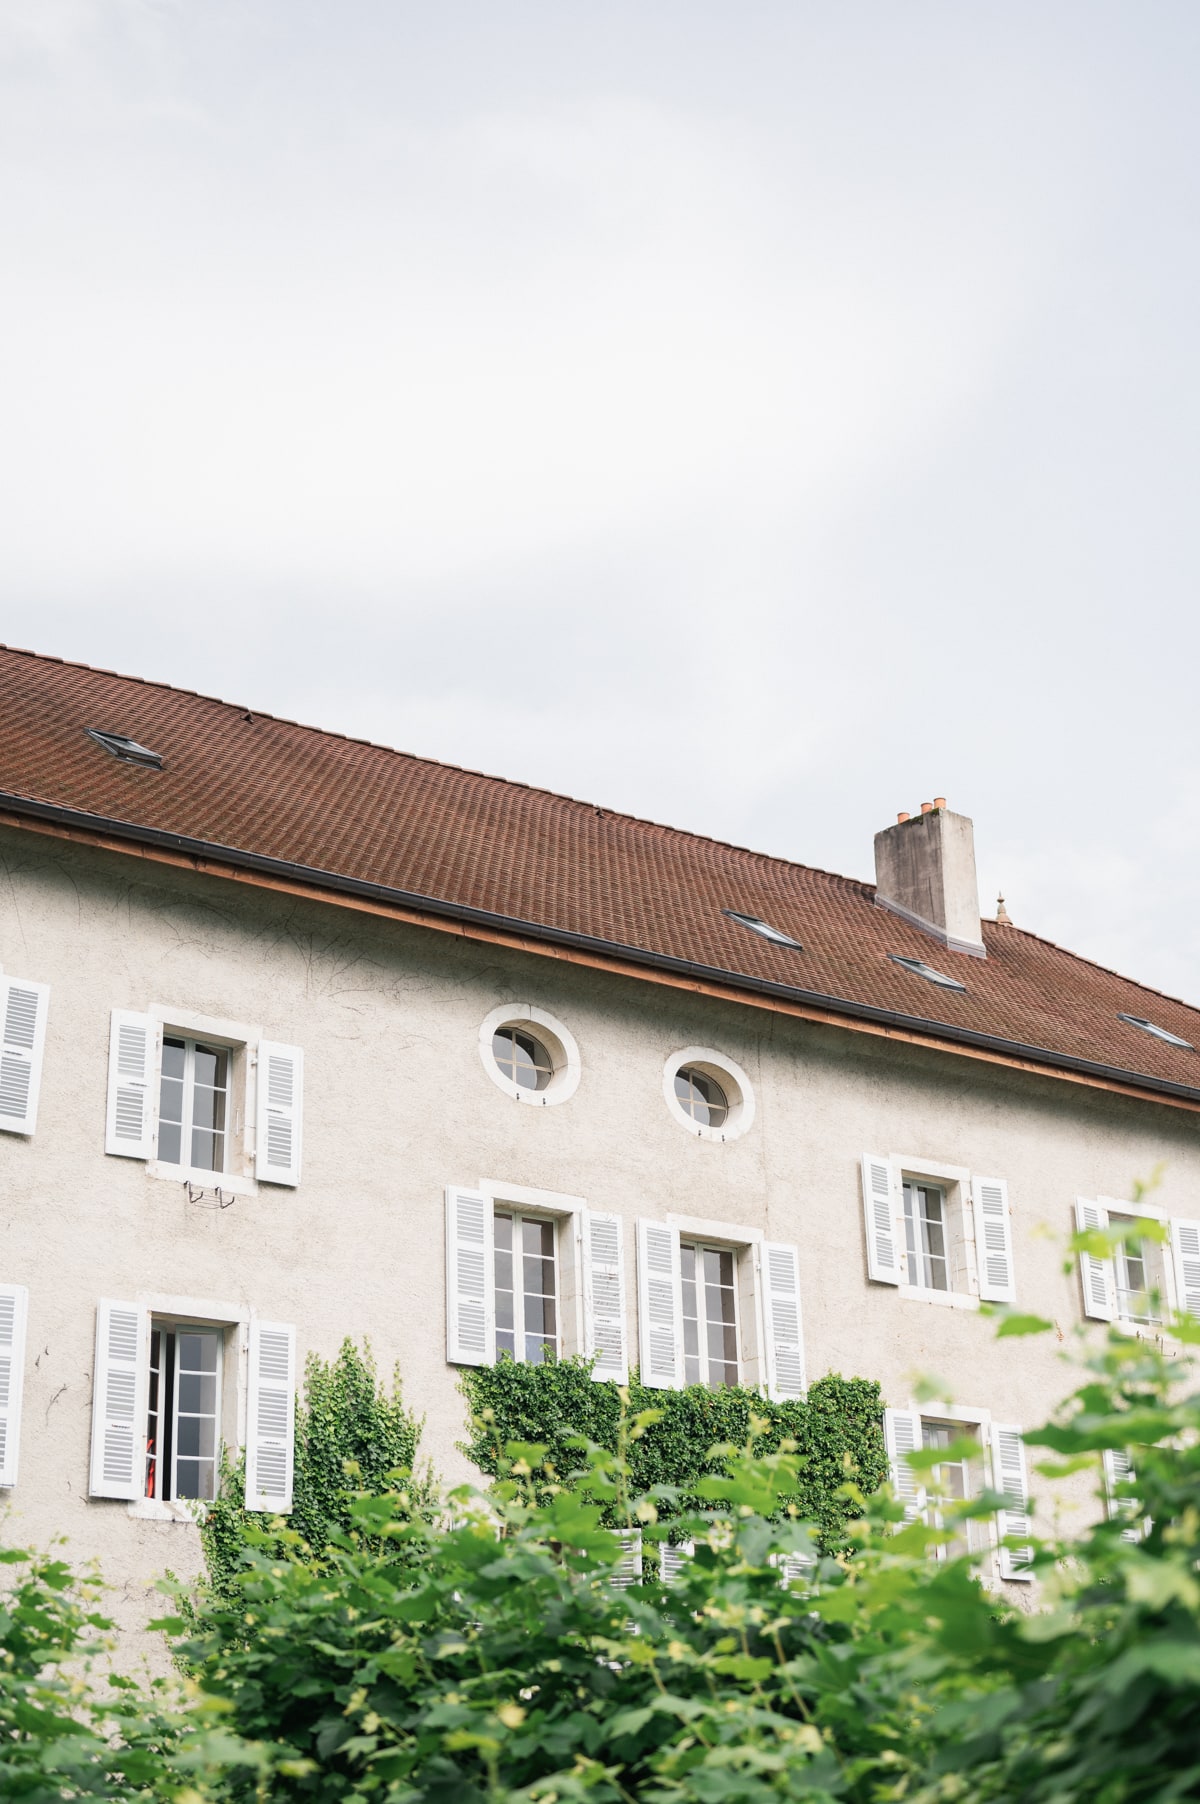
(503, 1236)
(687, 1262)
(198, 1352)
(169, 1142)
(197, 1393)
(188, 1479)
(170, 1098)
(691, 1339)
(173, 1056)
(195, 1436)
(504, 1311)
(505, 1340)
(211, 1066)
(504, 1270)
(208, 1150)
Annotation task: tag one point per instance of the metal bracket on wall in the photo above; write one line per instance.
(204, 1198)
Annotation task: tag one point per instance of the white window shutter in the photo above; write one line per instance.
(884, 1244)
(132, 1066)
(993, 1240)
(784, 1335)
(14, 1312)
(1009, 1477)
(1099, 1279)
(794, 1568)
(673, 1556)
(23, 1009)
(1185, 1248)
(660, 1306)
(120, 1400)
(280, 1113)
(271, 1417)
(628, 1569)
(1118, 1470)
(902, 1435)
(470, 1279)
(604, 1295)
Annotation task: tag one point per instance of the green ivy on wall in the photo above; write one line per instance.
(837, 1430)
(352, 1435)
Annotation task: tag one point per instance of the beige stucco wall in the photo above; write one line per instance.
(397, 1104)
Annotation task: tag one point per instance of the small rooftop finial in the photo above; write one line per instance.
(1002, 914)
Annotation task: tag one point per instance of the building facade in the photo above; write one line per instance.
(304, 1038)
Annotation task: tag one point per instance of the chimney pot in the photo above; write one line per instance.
(926, 874)
(939, 801)
(901, 818)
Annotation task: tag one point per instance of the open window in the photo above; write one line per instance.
(718, 1305)
(167, 1388)
(978, 1455)
(533, 1275)
(1145, 1277)
(210, 1102)
(937, 1231)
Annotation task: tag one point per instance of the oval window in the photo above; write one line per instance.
(522, 1058)
(701, 1097)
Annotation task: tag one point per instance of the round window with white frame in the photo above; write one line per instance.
(708, 1094)
(529, 1054)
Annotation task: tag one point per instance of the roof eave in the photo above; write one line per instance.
(946, 1034)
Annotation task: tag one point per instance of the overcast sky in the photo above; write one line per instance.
(758, 416)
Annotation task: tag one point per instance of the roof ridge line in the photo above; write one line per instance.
(467, 770)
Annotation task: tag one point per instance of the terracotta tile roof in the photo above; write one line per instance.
(257, 785)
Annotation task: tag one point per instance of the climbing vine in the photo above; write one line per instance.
(836, 1431)
(352, 1435)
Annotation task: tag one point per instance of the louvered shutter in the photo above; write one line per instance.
(1009, 1477)
(1185, 1247)
(1099, 1280)
(902, 1436)
(270, 1417)
(628, 1569)
(604, 1295)
(120, 1400)
(672, 1558)
(132, 1061)
(14, 1308)
(280, 1113)
(784, 1337)
(1118, 1470)
(23, 1008)
(993, 1240)
(470, 1279)
(660, 1306)
(793, 1568)
(884, 1263)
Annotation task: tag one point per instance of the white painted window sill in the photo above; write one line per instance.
(945, 1299)
(154, 1509)
(228, 1181)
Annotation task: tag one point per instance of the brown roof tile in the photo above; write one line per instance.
(271, 788)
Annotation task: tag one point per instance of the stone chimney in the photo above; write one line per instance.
(925, 872)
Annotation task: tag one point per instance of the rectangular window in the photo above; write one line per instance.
(526, 1287)
(953, 1480)
(182, 1428)
(193, 1104)
(925, 1230)
(710, 1338)
(1137, 1269)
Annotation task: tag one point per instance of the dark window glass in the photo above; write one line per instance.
(522, 1058)
(701, 1097)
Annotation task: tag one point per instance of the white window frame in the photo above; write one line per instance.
(166, 1325)
(701, 1247)
(746, 1244)
(234, 1037)
(1163, 1253)
(519, 1331)
(954, 1181)
(982, 1421)
(233, 1319)
(567, 1213)
(192, 1043)
(739, 1093)
(558, 1040)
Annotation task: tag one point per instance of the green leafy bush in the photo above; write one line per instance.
(350, 1431)
(497, 1660)
(836, 1432)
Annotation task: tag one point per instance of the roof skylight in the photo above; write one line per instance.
(920, 969)
(1160, 1033)
(127, 749)
(764, 928)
